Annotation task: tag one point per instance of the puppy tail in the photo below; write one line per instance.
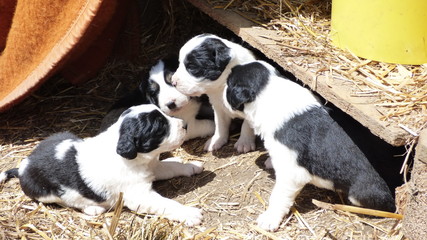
(4, 176)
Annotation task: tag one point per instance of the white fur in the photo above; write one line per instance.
(3, 177)
(22, 166)
(62, 149)
(186, 107)
(108, 174)
(290, 177)
(134, 177)
(191, 86)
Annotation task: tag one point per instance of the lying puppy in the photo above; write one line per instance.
(89, 174)
(304, 143)
(158, 90)
(205, 63)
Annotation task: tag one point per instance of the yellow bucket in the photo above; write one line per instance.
(393, 31)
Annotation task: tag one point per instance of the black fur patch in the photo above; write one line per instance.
(170, 65)
(244, 84)
(208, 60)
(45, 174)
(325, 150)
(152, 92)
(142, 134)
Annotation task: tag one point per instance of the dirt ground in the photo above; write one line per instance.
(232, 191)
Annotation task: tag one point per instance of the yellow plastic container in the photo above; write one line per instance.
(393, 31)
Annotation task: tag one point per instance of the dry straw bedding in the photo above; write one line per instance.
(303, 28)
(233, 190)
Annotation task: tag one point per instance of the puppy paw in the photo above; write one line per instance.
(173, 159)
(268, 164)
(269, 221)
(244, 145)
(194, 167)
(214, 144)
(94, 210)
(191, 216)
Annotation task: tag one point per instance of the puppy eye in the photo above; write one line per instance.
(168, 77)
(153, 87)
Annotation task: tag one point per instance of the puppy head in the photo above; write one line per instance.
(159, 90)
(202, 59)
(245, 83)
(145, 129)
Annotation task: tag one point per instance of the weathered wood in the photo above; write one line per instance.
(415, 220)
(336, 91)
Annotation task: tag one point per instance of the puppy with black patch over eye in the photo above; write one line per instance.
(304, 143)
(157, 89)
(205, 61)
(89, 174)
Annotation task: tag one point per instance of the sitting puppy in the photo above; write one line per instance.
(304, 143)
(89, 174)
(205, 63)
(158, 90)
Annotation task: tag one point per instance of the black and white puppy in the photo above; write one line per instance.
(89, 174)
(158, 90)
(304, 143)
(205, 62)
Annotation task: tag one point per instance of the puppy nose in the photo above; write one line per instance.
(171, 105)
(174, 80)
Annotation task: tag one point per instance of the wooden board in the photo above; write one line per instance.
(337, 91)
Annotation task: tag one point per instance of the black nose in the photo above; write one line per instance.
(171, 105)
(185, 126)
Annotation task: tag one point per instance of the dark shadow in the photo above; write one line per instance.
(181, 185)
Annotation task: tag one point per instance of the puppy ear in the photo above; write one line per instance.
(154, 127)
(222, 57)
(126, 146)
(245, 82)
(238, 96)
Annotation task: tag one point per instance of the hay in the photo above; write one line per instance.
(303, 28)
(232, 191)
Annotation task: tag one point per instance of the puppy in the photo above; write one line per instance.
(89, 174)
(205, 61)
(304, 143)
(158, 90)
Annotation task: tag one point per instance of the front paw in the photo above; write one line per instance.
(215, 143)
(191, 216)
(269, 220)
(193, 167)
(244, 145)
(94, 210)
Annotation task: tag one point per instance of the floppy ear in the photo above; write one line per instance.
(126, 146)
(152, 130)
(222, 57)
(237, 96)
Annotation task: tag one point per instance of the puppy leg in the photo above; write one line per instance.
(148, 201)
(200, 128)
(94, 210)
(173, 167)
(220, 137)
(290, 179)
(246, 140)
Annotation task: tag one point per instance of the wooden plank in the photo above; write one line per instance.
(336, 91)
(415, 220)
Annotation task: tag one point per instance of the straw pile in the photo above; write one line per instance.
(233, 190)
(303, 28)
